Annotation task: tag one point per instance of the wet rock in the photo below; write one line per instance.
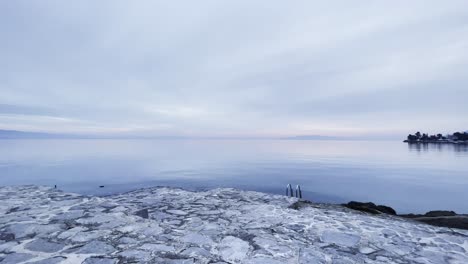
(370, 208)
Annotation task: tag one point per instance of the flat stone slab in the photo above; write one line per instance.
(340, 238)
(166, 225)
(42, 245)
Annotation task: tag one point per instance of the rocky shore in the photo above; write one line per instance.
(166, 225)
(436, 218)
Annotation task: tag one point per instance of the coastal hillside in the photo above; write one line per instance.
(166, 225)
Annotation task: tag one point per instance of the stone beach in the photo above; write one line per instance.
(168, 225)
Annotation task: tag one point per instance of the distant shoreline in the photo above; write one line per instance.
(425, 138)
(435, 142)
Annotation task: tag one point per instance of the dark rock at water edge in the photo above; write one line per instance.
(300, 204)
(370, 208)
(440, 213)
(460, 222)
(436, 218)
(441, 218)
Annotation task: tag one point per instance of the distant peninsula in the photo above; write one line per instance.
(455, 138)
(15, 134)
(313, 137)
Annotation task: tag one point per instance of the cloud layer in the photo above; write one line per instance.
(234, 68)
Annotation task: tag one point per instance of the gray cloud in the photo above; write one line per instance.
(237, 68)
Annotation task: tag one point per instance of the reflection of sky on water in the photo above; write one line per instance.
(412, 177)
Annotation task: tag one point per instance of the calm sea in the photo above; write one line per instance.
(410, 178)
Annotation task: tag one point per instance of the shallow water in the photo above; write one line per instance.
(410, 178)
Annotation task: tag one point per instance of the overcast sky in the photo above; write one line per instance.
(234, 68)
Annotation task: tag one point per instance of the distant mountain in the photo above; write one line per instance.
(14, 134)
(315, 137)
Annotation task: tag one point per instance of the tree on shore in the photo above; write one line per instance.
(459, 136)
(418, 135)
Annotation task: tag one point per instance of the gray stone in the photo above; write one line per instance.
(196, 252)
(142, 213)
(96, 260)
(6, 247)
(197, 239)
(7, 236)
(265, 260)
(15, 258)
(440, 213)
(86, 236)
(96, 247)
(49, 261)
(177, 212)
(212, 226)
(133, 254)
(370, 208)
(339, 238)
(157, 248)
(174, 261)
(128, 240)
(21, 230)
(233, 249)
(43, 246)
(69, 215)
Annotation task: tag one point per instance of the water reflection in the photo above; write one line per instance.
(426, 147)
(413, 178)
